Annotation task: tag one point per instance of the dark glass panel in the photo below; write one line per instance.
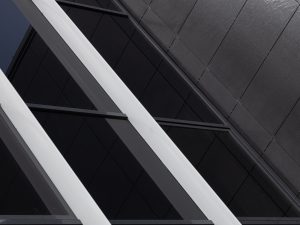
(17, 195)
(35, 71)
(25, 188)
(115, 179)
(229, 171)
(152, 79)
(107, 168)
(41, 79)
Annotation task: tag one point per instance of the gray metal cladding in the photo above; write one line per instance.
(244, 55)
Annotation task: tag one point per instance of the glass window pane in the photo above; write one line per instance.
(35, 71)
(233, 175)
(158, 86)
(18, 197)
(107, 168)
(40, 78)
(25, 188)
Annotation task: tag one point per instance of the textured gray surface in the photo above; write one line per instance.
(244, 54)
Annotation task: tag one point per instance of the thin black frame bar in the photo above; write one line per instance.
(161, 222)
(121, 116)
(37, 220)
(243, 220)
(269, 220)
(191, 124)
(92, 8)
(76, 111)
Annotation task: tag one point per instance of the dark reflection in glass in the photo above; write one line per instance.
(230, 172)
(35, 72)
(109, 171)
(13, 27)
(25, 188)
(103, 163)
(40, 78)
(148, 75)
(17, 195)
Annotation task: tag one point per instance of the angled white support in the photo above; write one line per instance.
(49, 157)
(162, 146)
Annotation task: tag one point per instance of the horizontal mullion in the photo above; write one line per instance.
(161, 222)
(76, 111)
(269, 220)
(38, 220)
(191, 124)
(121, 116)
(92, 8)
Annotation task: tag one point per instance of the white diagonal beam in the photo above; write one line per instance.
(49, 157)
(187, 176)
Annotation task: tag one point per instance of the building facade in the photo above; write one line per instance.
(107, 118)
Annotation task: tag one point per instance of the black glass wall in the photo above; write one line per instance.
(18, 196)
(232, 174)
(114, 177)
(147, 74)
(27, 195)
(102, 162)
(211, 147)
(87, 137)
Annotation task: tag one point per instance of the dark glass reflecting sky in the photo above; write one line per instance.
(13, 26)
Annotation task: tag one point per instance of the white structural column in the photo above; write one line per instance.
(49, 157)
(188, 177)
